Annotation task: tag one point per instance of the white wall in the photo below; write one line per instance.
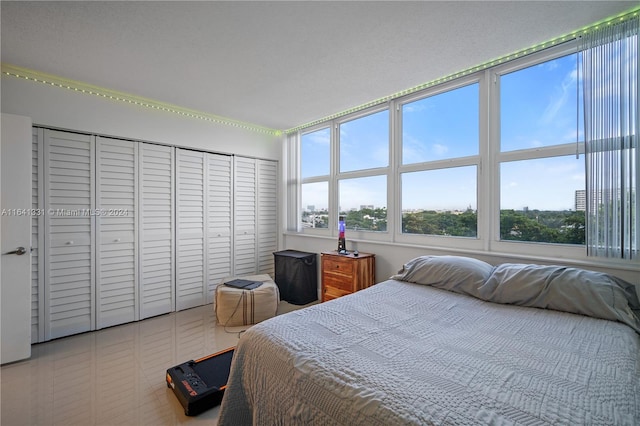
(66, 109)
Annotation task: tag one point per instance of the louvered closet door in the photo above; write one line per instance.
(267, 215)
(116, 206)
(69, 226)
(219, 200)
(37, 235)
(245, 204)
(190, 229)
(157, 260)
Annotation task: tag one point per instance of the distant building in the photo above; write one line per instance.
(601, 196)
(581, 200)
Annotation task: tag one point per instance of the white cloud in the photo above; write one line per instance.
(563, 93)
(439, 149)
(414, 107)
(320, 138)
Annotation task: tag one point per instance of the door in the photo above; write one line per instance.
(15, 277)
(69, 195)
(245, 201)
(190, 233)
(219, 220)
(267, 230)
(116, 232)
(156, 207)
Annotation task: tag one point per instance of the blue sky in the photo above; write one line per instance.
(538, 108)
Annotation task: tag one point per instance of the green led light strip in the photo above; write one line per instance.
(76, 86)
(633, 13)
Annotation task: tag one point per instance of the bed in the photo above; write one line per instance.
(448, 340)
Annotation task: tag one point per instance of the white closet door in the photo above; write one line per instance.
(219, 220)
(245, 203)
(37, 235)
(157, 222)
(69, 252)
(116, 206)
(190, 229)
(267, 215)
(156, 219)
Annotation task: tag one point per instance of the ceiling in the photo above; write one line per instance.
(277, 64)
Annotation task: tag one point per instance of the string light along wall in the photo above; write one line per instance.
(37, 77)
(76, 86)
(519, 54)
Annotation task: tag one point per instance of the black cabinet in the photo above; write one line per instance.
(296, 276)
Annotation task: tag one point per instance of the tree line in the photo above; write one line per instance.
(560, 227)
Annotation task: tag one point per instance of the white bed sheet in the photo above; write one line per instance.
(403, 353)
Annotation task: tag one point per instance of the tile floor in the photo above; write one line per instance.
(114, 376)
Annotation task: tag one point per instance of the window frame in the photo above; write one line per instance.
(488, 162)
(575, 148)
(362, 173)
(314, 179)
(440, 240)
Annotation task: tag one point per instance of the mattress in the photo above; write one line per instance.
(401, 353)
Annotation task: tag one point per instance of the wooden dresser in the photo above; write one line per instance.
(344, 274)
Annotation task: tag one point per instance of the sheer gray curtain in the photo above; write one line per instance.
(610, 77)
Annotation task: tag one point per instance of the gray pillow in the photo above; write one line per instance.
(560, 288)
(455, 273)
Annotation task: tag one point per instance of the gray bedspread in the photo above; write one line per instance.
(403, 353)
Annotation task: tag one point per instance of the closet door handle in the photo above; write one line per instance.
(19, 251)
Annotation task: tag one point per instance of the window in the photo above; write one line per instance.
(362, 181)
(541, 105)
(316, 153)
(440, 146)
(315, 162)
(363, 203)
(441, 126)
(440, 202)
(315, 205)
(540, 174)
(362, 146)
(493, 161)
(364, 142)
(538, 200)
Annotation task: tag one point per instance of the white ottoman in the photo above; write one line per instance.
(236, 306)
